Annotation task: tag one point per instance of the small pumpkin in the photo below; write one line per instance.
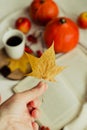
(42, 11)
(63, 32)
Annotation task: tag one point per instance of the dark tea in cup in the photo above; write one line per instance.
(14, 41)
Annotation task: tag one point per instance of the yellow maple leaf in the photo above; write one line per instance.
(21, 64)
(44, 67)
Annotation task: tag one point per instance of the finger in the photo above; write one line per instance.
(35, 103)
(35, 92)
(35, 126)
(33, 108)
(35, 113)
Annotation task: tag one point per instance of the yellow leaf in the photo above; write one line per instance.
(44, 67)
(21, 64)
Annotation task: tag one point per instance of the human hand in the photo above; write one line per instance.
(20, 111)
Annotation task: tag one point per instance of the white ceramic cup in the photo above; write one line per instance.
(15, 52)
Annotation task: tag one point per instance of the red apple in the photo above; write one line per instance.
(82, 20)
(23, 24)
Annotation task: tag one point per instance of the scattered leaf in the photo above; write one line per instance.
(32, 38)
(39, 53)
(44, 67)
(28, 50)
(44, 128)
(21, 64)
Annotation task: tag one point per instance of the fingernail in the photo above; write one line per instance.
(43, 84)
(35, 113)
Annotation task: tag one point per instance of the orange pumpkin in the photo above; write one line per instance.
(42, 11)
(64, 32)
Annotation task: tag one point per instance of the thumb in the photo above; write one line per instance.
(33, 93)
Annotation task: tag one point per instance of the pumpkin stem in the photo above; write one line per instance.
(62, 20)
